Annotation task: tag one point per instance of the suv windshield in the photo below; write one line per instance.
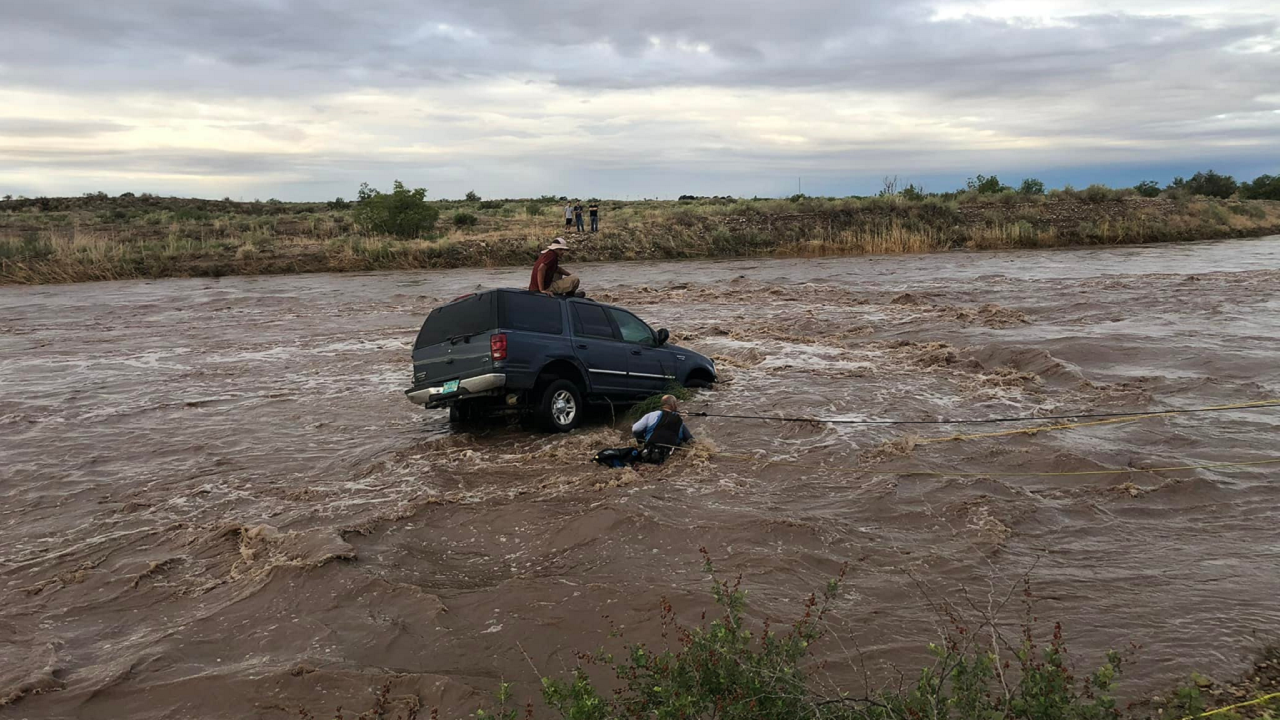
(633, 330)
(468, 316)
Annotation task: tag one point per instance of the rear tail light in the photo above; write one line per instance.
(498, 347)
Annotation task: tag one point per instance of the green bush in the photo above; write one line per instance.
(492, 204)
(1031, 186)
(727, 670)
(913, 193)
(1097, 193)
(472, 196)
(1264, 187)
(1148, 188)
(402, 212)
(533, 209)
(1208, 183)
(464, 220)
(984, 185)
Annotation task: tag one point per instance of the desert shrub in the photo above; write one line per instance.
(402, 212)
(1067, 192)
(472, 196)
(1031, 186)
(1208, 183)
(913, 193)
(984, 185)
(1097, 193)
(337, 204)
(1264, 187)
(1248, 210)
(1147, 188)
(727, 668)
(1215, 214)
(190, 215)
(491, 204)
(654, 402)
(464, 220)
(533, 209)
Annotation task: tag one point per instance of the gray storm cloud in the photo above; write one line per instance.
(302, 96)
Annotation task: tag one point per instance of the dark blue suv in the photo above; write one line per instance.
(515, 351)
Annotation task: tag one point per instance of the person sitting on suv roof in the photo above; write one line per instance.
(546, 270)
(661, 431)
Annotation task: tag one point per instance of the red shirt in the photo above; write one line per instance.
(548, 262)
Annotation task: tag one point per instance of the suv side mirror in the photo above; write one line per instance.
(663, 337)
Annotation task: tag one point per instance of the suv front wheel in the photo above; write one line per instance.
(561, 407)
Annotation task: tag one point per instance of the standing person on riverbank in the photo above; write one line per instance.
(594, 209)
(577, 215)
(568, 215)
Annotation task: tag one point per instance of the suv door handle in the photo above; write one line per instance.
(582, 346)
(635, 352)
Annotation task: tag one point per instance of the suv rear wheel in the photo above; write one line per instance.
(561, 407)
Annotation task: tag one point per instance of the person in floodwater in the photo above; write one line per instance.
(661, 431)
(548, 277)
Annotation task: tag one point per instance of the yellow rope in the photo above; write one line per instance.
(1255, 701)
(1034, 430)
(938, 473)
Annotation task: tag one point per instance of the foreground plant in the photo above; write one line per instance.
(725, 670)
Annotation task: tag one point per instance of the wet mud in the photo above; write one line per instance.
(217, 503)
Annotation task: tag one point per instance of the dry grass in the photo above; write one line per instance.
(110, 239)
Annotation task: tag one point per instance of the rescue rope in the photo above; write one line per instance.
(1274, 402)
(940, 473)
(1121, 419)
(1228, 708)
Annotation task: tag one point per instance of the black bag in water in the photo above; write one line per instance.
(617, 457)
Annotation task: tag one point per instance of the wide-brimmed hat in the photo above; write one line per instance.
(558, 244)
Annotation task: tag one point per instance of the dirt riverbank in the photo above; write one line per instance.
(80, 241)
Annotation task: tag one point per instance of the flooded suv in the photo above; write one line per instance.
(515, 351)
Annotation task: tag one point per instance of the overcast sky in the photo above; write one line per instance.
(301, 100)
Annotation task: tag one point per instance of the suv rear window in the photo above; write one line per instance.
(467, 316)
(532, 312)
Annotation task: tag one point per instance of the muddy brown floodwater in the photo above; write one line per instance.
(216, 501)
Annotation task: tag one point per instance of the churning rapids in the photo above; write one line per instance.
(216, 501)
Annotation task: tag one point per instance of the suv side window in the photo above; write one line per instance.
(633, 329)
(590, 321)
(533, 313)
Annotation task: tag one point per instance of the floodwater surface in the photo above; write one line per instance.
(216, 501)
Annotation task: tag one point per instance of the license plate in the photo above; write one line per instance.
(451, 386)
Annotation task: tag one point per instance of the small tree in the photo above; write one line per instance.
(472, 196)
(1031, 186)
(7, 198)
(402, 212)
(984, 185)
(1264, 187)
(1148, 188)
(1208, 183)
